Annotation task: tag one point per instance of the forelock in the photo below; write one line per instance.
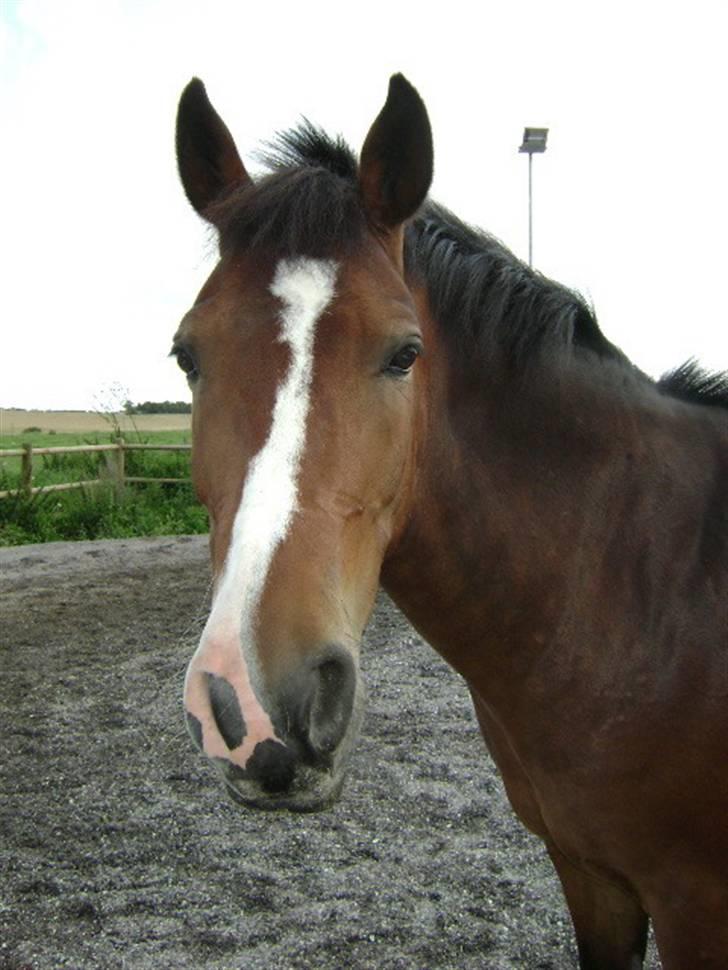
(307, 203)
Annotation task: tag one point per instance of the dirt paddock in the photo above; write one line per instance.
(119, 850)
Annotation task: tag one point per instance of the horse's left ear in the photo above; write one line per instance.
(395, 169)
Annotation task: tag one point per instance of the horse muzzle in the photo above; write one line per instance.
(278, 748)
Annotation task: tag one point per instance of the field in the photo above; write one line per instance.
(90, 513)
(15, 421)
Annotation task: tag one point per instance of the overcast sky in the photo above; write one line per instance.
(100, 253)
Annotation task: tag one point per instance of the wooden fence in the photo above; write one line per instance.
(114, 473)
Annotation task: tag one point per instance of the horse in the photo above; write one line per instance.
(386, 395)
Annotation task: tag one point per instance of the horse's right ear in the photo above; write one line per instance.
(207, 158)
(395, 168)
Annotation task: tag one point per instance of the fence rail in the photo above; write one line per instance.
(115, 473)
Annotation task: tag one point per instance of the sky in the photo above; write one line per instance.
(100, 253)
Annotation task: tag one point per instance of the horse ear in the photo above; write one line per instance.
(207, 158)
(395, 169)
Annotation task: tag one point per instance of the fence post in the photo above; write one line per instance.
(115, 468)
(26, 472)
(119, 469)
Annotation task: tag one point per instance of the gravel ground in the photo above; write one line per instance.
(118, 848)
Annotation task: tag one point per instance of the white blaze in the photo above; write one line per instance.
(270, 492)
(268, 504)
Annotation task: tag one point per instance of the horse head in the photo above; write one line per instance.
(302, 351)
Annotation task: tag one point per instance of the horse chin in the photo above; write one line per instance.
(314, 798)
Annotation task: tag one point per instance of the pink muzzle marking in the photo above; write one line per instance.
(219, 654)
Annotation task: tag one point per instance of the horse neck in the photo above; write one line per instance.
(536, 506)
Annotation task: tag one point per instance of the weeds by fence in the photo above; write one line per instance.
(51, 492)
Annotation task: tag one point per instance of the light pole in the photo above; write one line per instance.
(534, 142)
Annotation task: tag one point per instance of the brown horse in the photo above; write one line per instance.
(383, 394)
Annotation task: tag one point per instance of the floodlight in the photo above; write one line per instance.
(534, 140)
(534, 143)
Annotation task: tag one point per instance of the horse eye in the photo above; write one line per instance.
(185, 362)
(403, 360)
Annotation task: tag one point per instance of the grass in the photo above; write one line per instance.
(144, 509)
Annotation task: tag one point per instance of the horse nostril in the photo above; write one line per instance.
(332, 687)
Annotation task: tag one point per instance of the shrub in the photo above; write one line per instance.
(97, 513)
(145, 510)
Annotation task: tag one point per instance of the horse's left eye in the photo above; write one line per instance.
(403, 360)
(186, 362)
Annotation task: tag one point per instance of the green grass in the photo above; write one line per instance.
(50, 469)
(143, 510)
(43, 439)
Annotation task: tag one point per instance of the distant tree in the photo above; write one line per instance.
(158, 407)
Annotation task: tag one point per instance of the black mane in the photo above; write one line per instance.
(479, 290)
(481, 293)
(690, 382)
